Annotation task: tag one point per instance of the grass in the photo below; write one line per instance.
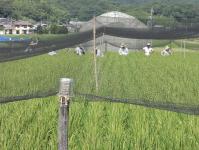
(33, 124)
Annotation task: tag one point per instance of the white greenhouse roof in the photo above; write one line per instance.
(117, 14)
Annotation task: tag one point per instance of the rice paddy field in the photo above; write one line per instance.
(32, 124)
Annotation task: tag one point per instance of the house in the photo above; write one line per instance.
(22, 27)
(3, 23)
(9, 26)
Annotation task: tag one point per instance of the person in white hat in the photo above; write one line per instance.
(166, 51)
(123, 50)
(148, 49)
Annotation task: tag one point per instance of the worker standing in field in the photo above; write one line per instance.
(123, 50)
(98, 52)
(148, 49)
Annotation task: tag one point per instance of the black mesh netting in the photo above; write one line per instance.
(27, 50)
(20, 49)
(17, 50)
(168, 106)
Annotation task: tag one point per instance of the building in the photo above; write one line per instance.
(115, 19)
(3, 23)
(9, 26)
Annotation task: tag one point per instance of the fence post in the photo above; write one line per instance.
(65, 93)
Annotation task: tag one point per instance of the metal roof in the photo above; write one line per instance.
(117, 14)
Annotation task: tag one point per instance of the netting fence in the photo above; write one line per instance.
(168, 106)
(112, 35)
(13, 50)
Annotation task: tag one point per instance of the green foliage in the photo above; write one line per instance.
(42, 30)
(52, 29)
(103, 126)
(55, 29)
(61, 11)
(6, 8)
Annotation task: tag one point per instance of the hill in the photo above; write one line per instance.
(161, 1)
(63, 10)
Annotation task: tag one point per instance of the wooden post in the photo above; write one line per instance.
(65, 93)
(94, 51)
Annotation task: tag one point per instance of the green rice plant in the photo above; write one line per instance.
(157, 78)
(33, 125)
(101, 125)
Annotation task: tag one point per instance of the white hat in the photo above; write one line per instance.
(148, 44)
(122, 45)
(167, 47)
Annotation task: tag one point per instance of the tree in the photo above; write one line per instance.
(57, 29)
(42, 30)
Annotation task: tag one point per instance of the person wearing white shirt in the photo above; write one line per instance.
(78, 50)
(148, 50)
(98, 52)
(123, 50)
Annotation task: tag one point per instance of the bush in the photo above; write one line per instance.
(42, 30)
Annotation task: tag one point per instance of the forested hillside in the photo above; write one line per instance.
(153, 1)
(63, 10)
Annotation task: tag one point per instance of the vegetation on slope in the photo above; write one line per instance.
(63, 10)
